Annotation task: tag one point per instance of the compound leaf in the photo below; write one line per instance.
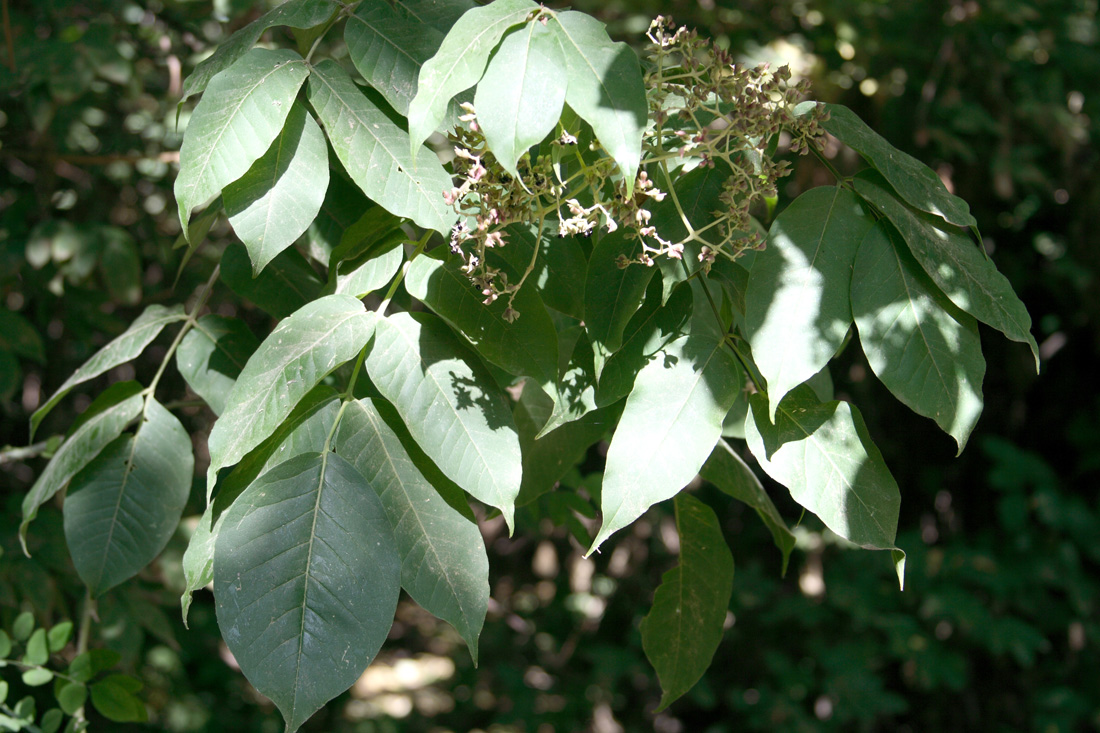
(212, 354)
(286, 284)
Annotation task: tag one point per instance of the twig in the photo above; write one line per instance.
(11, 455)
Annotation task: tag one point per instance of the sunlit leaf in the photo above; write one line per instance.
(797, 309)
(239, 116)
(407, 181)
(672, 419)
(274, 203)
(450, 405)
(682, 630)
(306, 579)
(301, 351)
(519, 100)
(955, 263)
(460, 62)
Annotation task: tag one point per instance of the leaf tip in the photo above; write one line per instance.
(898, 557)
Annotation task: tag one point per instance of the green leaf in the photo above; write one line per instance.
(275, 201)
(23, 625)
(37, 651)
(726, 470)
(388, 46)
(683, 629)
(124, 506)
(285, 285)
(925, 350)
(212, 354)
(548, 458)
(612, 294)
(59, 636)
(559, 267)
(960, 269)
(119, 351)
(89, 664)
(823, 453)
(520, 98)
(672, 419)
(450, 404)
(306, 580)
(305, 431)
(302, 14)
(291, 361)
(797, 309)
(527, 346)
(51, 721)
(18, 336)
(239, 116)
(37, 677)
(113, 698)
(915, 182)
(406, 180)
(71, 697)
(112, 413)
(371, 271)
(460, 62)
(5, 643)
(443, 562)
(605, 88)
(11, 376)
(439, 14)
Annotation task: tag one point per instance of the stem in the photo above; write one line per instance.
(55, 673)
(825, 162)
(11, 455)
(420, 245)
(757, 381)
(187, 326)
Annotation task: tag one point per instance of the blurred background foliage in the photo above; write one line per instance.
(998, 627)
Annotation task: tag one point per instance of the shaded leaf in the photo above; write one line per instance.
(113, 698)
(443, 562)
(605, 88)
(212, 354)
(925, 350)
(239, 116)
(120, 266)
(527, 346)
(112, 412)
(302, 14)
(797, 309)
(306, 580)
(672, 419)
(726, 470)
(460, 62)
(520, 98)
(124, 506)
(559, 267)
(285, 285)
(407, 181)
(292, 360)
(915, 182)
(682, 630)
(450, 405)
(439, 14)
(344, 205)
(124, 348)
(612, 294)
(961, 270)
(274, 203)
(823, 453)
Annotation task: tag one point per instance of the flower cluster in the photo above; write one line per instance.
(707, 110)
